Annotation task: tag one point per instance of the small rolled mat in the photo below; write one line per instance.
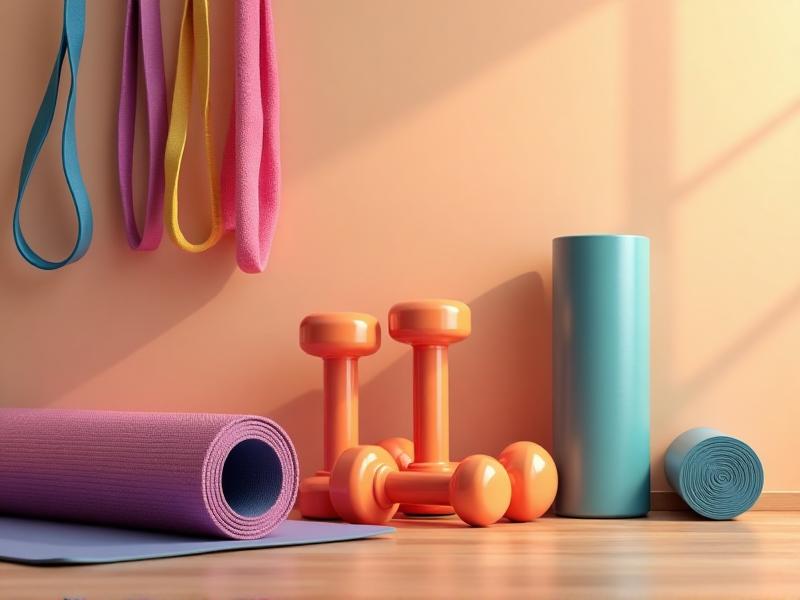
(230, 476)
(717, 475)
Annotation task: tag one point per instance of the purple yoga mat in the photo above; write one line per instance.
(231, 476)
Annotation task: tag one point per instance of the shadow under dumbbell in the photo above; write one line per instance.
(402, 522)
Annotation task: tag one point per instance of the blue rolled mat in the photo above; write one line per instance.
(717, 475)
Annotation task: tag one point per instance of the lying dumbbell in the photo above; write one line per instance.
(366, 486)
(340, 339)
(430, 326)
(533, 475)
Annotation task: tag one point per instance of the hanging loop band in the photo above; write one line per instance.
(143, 26)
(251, 176)
(194, 41)
(71, 42)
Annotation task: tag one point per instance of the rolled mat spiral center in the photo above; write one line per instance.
(233, 476)
(718, 476)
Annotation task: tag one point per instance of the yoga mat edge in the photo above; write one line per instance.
(49, 543)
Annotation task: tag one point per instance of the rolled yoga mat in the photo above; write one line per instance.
(601, 375)
(717, 475)
(230, 476)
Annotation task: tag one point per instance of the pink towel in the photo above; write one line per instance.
(251, 163)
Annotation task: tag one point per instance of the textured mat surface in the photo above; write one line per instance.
(231, 476)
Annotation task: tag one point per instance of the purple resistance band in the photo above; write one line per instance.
(143, 24)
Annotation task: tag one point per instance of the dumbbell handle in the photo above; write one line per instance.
(340, 408)
(408, 487)
(431, 405)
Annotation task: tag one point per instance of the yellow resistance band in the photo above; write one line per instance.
(194, 35)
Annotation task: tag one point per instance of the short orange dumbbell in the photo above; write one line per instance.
(340, 339)
(430, 326)
(366, 486)
(533, 475)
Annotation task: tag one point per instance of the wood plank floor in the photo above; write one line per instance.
(668, 555)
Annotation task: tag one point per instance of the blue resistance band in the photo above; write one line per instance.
(71, 42)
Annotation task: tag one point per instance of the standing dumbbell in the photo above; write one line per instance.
(367, 487)
(430, 326)
(340, 339)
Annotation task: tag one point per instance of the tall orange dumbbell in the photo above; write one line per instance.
(430, 326)
(340, 339)
(366, 486)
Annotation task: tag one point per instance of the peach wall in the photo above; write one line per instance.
(435, 148)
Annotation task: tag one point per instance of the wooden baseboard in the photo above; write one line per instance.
(767, 501)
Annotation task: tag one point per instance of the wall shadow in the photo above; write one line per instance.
(60, 345)
(500, 382)
(356, 66)
(348, 76)
(650, 148)
(726, 359)
(67, 326)
(653, 189)
(741, 147)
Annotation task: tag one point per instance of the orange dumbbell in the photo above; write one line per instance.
(401, 449)
(430, 326)
(534, 480)
(533, 475)
(340, 339)
(366, 486)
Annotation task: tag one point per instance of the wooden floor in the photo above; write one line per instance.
(668, 555)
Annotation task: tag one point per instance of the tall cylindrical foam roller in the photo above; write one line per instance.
(601, 375)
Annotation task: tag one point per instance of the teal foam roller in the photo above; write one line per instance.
(717, 475)
(601, 375)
